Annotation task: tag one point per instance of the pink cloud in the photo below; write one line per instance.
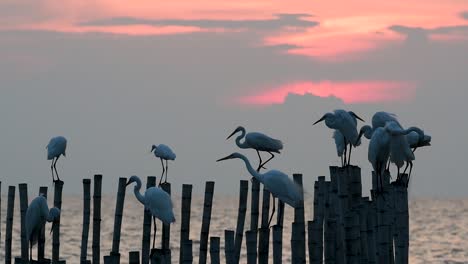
(349, 92)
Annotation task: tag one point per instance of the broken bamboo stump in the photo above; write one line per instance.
(243, 192)
(185, 221)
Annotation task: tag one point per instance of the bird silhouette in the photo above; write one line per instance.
(56, 148)
(163, 152)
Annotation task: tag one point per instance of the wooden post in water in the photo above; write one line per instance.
(330, 240)
(254, 214)
(23, 192)
(229, 246)
(96, 244)
(205, 228)
(166, 230)
(251, 244)
(58, 186)
(9, 223)
(86, 220)
(383, 230)
(214, 250)
(372, 231)
(243, 191)
(313, 240)
(341, 206)
(187, 249)
(41, 238)
(185, 222)
(402, 222)
(264, 232)
(278, 234)
(115, 255)
(147, 219)
(134, 257)
(299, 219)
(363, 229)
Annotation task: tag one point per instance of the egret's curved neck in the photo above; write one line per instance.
(239, 138)
(251, 170)
(417, 130)
(50, 217)
(137, 189)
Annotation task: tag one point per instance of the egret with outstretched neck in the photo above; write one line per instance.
(56, 147)
(157, 201)
(163, 152)
(276, 182)
(37, 215)
(259, 142)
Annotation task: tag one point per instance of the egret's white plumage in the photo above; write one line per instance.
(414, 142)
(379, 152)
(163, 152)
(276, 182)
(340, 144)
(56, 147)
(157, 201)
(380, 119)
(346, 123)
(259, 142)
(37, 215)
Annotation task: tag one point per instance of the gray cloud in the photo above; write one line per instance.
(464, 15)
(281, 20)
(418, 32)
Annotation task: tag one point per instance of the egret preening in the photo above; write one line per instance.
(37, 215)
(276, 182)
(163, 152)
(259, 142)
(157, 201)
(379, 119)
(379, 153)
(55, 148)
(346, 123)
(414, 142)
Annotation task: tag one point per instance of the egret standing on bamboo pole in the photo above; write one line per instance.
(36, 216)
(55, 148)
(379, 152)
(276, 182)
(259, 142)
(163, 152)
(346, 123)
(157, 201)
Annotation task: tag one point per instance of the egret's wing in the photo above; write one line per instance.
(339, 142)
(263, 142)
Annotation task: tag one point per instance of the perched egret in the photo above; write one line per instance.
(400, 150)
(379, 153)
(340, 145)
(157, 201)
(55, 148)
(163, 152)
(276, 182)
(379, 119)
(259, 142)
(346, 123)
(37, 215)
(414, 142)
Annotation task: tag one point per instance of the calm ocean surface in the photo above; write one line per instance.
(438, 228)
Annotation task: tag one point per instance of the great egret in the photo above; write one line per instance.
(379, 152)
(414, 142)
(379, 119)
(55, 148)
(400, 150)
(340, 145)
(37, 215)
(346, 123)
(259, 142)
(163, 152)
(157, 201)
(276, 182)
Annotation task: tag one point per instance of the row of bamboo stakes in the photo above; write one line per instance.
(346, 227)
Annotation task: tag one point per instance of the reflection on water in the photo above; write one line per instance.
(438, 228)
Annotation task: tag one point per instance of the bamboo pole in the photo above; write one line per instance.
(86, 220)
(297, 256)
(312, 242)
(255, 203)
(9, 223)
(134, 257)
(243, 191)
(402, 223)
(185, 222)
(352, 228)
(41, 238)
(115, 255)
(96, 244)
(214, 250)
(340, 200)
(188, 256)
(23, 192)
(166, 230)
(371, 231)
(277, 244)
(251, 244)
(330, 241)
(229, 246)
(146, 237)
(264, 231)
(299, 219)
(58, 186)
(363, 208)
(383, 230)
(205, 229)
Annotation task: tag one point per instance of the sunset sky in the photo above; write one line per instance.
(116, 77)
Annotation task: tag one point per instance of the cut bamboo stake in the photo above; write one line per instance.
(214, 250)
(58, 186)
(86, 220)
(187, 248)
(353, 242)
(255, 203)
(229, 246)
(402, 223)
(9, 223)
(243, 191)
(341, 206)
(251, 244)
(296, 243)
(371, 231)
(134, 257)
(264, 231)
(277, 244)
(96, 244)
(205, 229)
(41, 238)
(299, 219)
(23, 192)
(166, 230)
(185, 222)
(330, 240)
(313, 230)
(363, 229)
(118, 220)
(147, 219)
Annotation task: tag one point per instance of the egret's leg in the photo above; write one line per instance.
(409, 175)
(52, 169)
(272, 156)
(260, 162)
(350, 149)
(345, 154)
(55, 168)
(166, 171)
(406, 168)
(414, 149)
(162, 174)
(272, 212)
(342, 161)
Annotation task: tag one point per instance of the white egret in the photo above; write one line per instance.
(259, 142)
(346, 123)
(414, 142)
(157, 201)
(340, 145)
(55, 148)
(163, 152)
(276, 182)
(379, 119)
(379, 152)
(37, 215)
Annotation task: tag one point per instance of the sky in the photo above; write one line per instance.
(115, 77)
